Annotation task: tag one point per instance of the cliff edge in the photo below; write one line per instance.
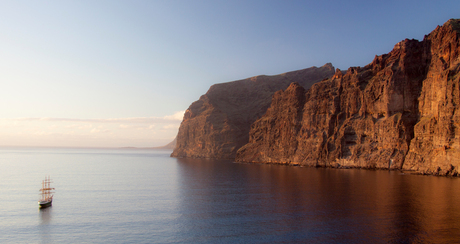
(398, 112)
(218, 124)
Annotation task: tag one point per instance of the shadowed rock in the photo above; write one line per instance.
(218, 124)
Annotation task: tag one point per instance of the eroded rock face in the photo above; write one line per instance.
(398, 112)
(435, 147)
(218, 124)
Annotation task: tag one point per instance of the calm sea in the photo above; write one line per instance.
(144, 196)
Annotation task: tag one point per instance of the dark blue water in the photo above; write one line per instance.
(141, 196)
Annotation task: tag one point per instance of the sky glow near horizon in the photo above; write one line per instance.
(122, 73)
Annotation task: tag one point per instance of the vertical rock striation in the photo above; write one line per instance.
(398, 112)
(435, 148)
(218, 124)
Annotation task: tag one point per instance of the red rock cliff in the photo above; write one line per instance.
(398, 112)
(218, 124)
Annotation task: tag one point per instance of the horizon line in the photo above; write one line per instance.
(89, 147)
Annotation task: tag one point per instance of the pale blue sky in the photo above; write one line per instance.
(113, 73)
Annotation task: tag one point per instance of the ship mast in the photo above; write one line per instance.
(46, 189)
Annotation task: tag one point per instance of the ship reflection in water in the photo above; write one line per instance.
(272, 203)
(44, 226)
(45, 215)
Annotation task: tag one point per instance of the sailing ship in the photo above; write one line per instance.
(46, 198)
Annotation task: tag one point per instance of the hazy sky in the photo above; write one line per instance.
(121, 73)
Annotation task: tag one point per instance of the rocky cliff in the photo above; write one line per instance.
(218, 124)
(398, 112)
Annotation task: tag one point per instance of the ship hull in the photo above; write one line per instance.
(45, 204)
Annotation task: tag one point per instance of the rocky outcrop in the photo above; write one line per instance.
(398, 112)
(218, 124)
(435, 148)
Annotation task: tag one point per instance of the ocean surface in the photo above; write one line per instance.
(144, 196)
